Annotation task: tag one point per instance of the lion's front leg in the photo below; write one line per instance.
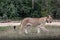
(44, 29)
(41, 28)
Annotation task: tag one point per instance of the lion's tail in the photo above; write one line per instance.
(21, 24)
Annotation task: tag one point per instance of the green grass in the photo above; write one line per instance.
(52, 27)
(54, 32)
(4, 28)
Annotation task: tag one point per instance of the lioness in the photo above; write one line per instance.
(35, 22)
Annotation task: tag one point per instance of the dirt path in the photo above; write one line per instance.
(9, 24)
(18, 23)
(54, 24)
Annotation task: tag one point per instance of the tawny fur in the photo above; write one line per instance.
(35, 21)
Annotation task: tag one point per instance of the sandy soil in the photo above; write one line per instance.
(18, 23)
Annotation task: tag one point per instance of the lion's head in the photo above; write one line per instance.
(49, 19)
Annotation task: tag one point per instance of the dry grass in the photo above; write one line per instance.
(17, 33)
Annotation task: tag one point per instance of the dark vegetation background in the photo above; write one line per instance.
(18, 9)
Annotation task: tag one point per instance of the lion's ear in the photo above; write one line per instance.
(48, 16)
(46, 20)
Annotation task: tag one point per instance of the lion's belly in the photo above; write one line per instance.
(34, 22)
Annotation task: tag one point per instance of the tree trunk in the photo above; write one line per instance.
(33, 4)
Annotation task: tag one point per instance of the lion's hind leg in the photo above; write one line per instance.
(27, 26)
(38, 30)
